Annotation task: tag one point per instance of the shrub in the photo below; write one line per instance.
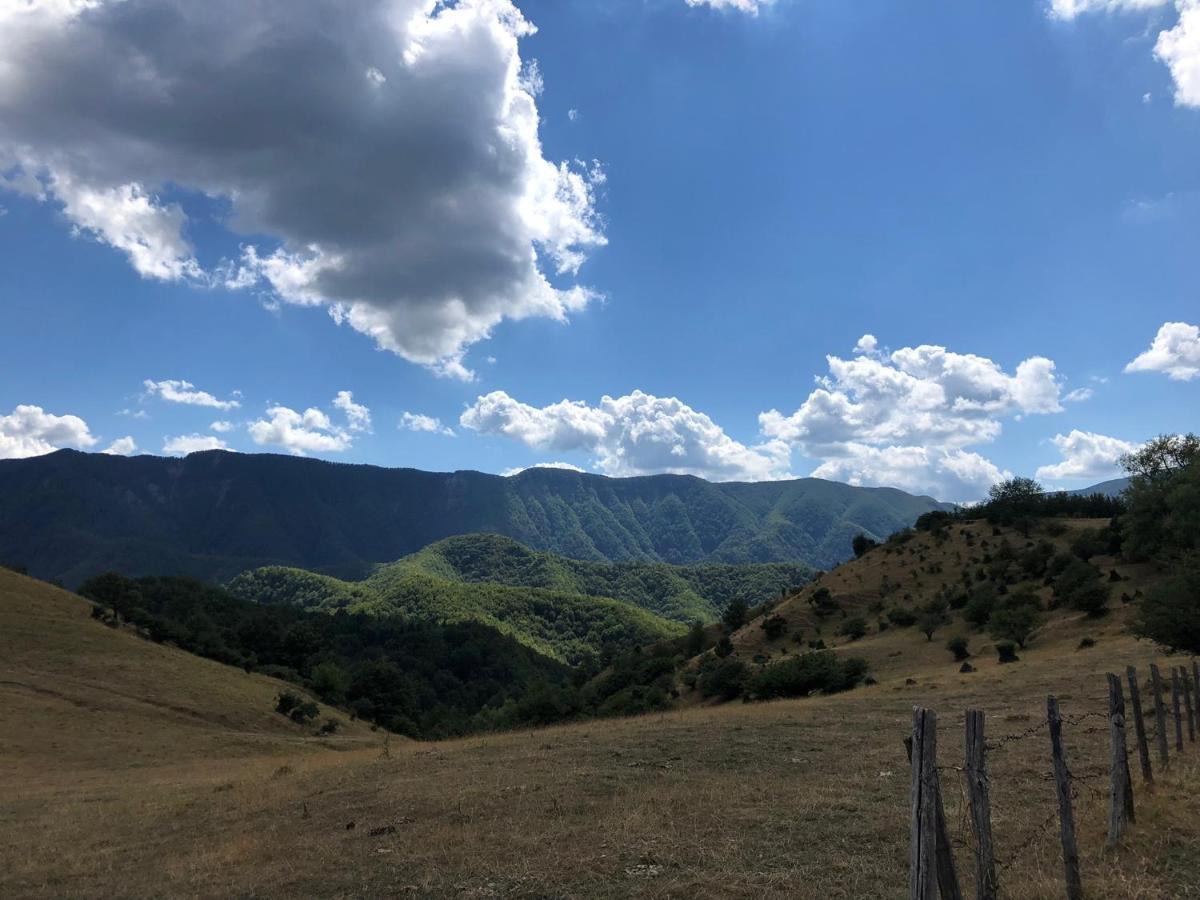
(694, 644)
(804, 674)
(979, 608)
(902, 616)
(1006, 651)
(1086, 643)
(286, 702)
(775, 626)
(724, 680)
(330, 727)
(862, 545)
(823, 602)
(854, 628)
(724, 647)
(958, 646)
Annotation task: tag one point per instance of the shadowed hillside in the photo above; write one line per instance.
(68, 515)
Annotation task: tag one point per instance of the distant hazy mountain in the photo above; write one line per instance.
(68, 515)
(1107, 488)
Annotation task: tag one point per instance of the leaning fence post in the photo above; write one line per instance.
(1120, 799)
(986, 885)
(1160, 717)
(1175, 698)
(1187, 703)
(1139, 726)
(922, 882)
(1066, 815)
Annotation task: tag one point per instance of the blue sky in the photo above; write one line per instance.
(637, 254)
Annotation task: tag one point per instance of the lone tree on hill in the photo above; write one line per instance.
(735, 614)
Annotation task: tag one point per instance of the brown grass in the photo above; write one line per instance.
(800, 798)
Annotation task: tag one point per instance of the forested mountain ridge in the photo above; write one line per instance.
(68, 515)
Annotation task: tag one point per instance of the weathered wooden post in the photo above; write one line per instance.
(922, 866)
(1160, 717)
(987, 887)
(1139, 726)
(1066, 814)
(947, 878)
(1196, 683)
(1120, 798)
(1175, 698)
(1187, 703)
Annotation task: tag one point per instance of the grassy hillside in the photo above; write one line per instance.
(70, 515)
(805, 797)
(565, 626)
(681, 593)
(87, 695)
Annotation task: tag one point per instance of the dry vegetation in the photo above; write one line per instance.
(134, 770)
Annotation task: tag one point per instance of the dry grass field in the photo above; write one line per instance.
(133, 770)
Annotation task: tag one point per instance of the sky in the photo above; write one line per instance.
(922, 245)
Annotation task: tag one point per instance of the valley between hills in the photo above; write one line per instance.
(482, 719)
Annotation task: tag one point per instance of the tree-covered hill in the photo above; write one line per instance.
(568, 627)
(68, 515)
(680, 593)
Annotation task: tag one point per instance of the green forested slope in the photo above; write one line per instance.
(68, 515)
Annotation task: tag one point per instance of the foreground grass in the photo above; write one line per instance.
(795, 798)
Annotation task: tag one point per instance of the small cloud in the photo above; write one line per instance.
(311, 431)
(573, 115)
(183, 444)
(422, 423)
(188, 394)
(125, 446)
(358, 417)
(221, 427)
(134, 413)
(1079, 395)
(1147, 97)
(1174, 351)
(508, 473)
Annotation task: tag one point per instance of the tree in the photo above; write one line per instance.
(1169, 613)
(1013, 499)
(1162, 520)
(823, 602)
(695, 639)
(330, 681)
(930, 622)
(735, 614)
(775, 626)
(1014, 623)
(862, 545)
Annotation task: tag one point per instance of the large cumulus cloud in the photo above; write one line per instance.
(380, 158)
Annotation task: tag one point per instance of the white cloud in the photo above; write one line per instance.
(1079, 395)
(508, 473)
(637, 434)
(904, 418)
(1175, 351)
(134, 413)
(573, 115)
(125, 446)
(1179, 49)
(186, 393)
(380, 158)
(419, 422)
(31, 431)
(956, 474)
(183, 444)
(747, 6)
(358, 417)
(1086, 455)
(221, 427)
(1071, 9)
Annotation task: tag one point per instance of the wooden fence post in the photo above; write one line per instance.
(1160, 717)
(1120, 798)
(987, 887)
(1066, 814)
(922, 876)
(947, 878)
(1175, 698)
(1187, 703)
(1139, 726)
(1196, 683)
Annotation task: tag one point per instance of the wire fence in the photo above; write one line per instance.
(952, 806)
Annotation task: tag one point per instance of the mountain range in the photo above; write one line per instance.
(212, 515)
